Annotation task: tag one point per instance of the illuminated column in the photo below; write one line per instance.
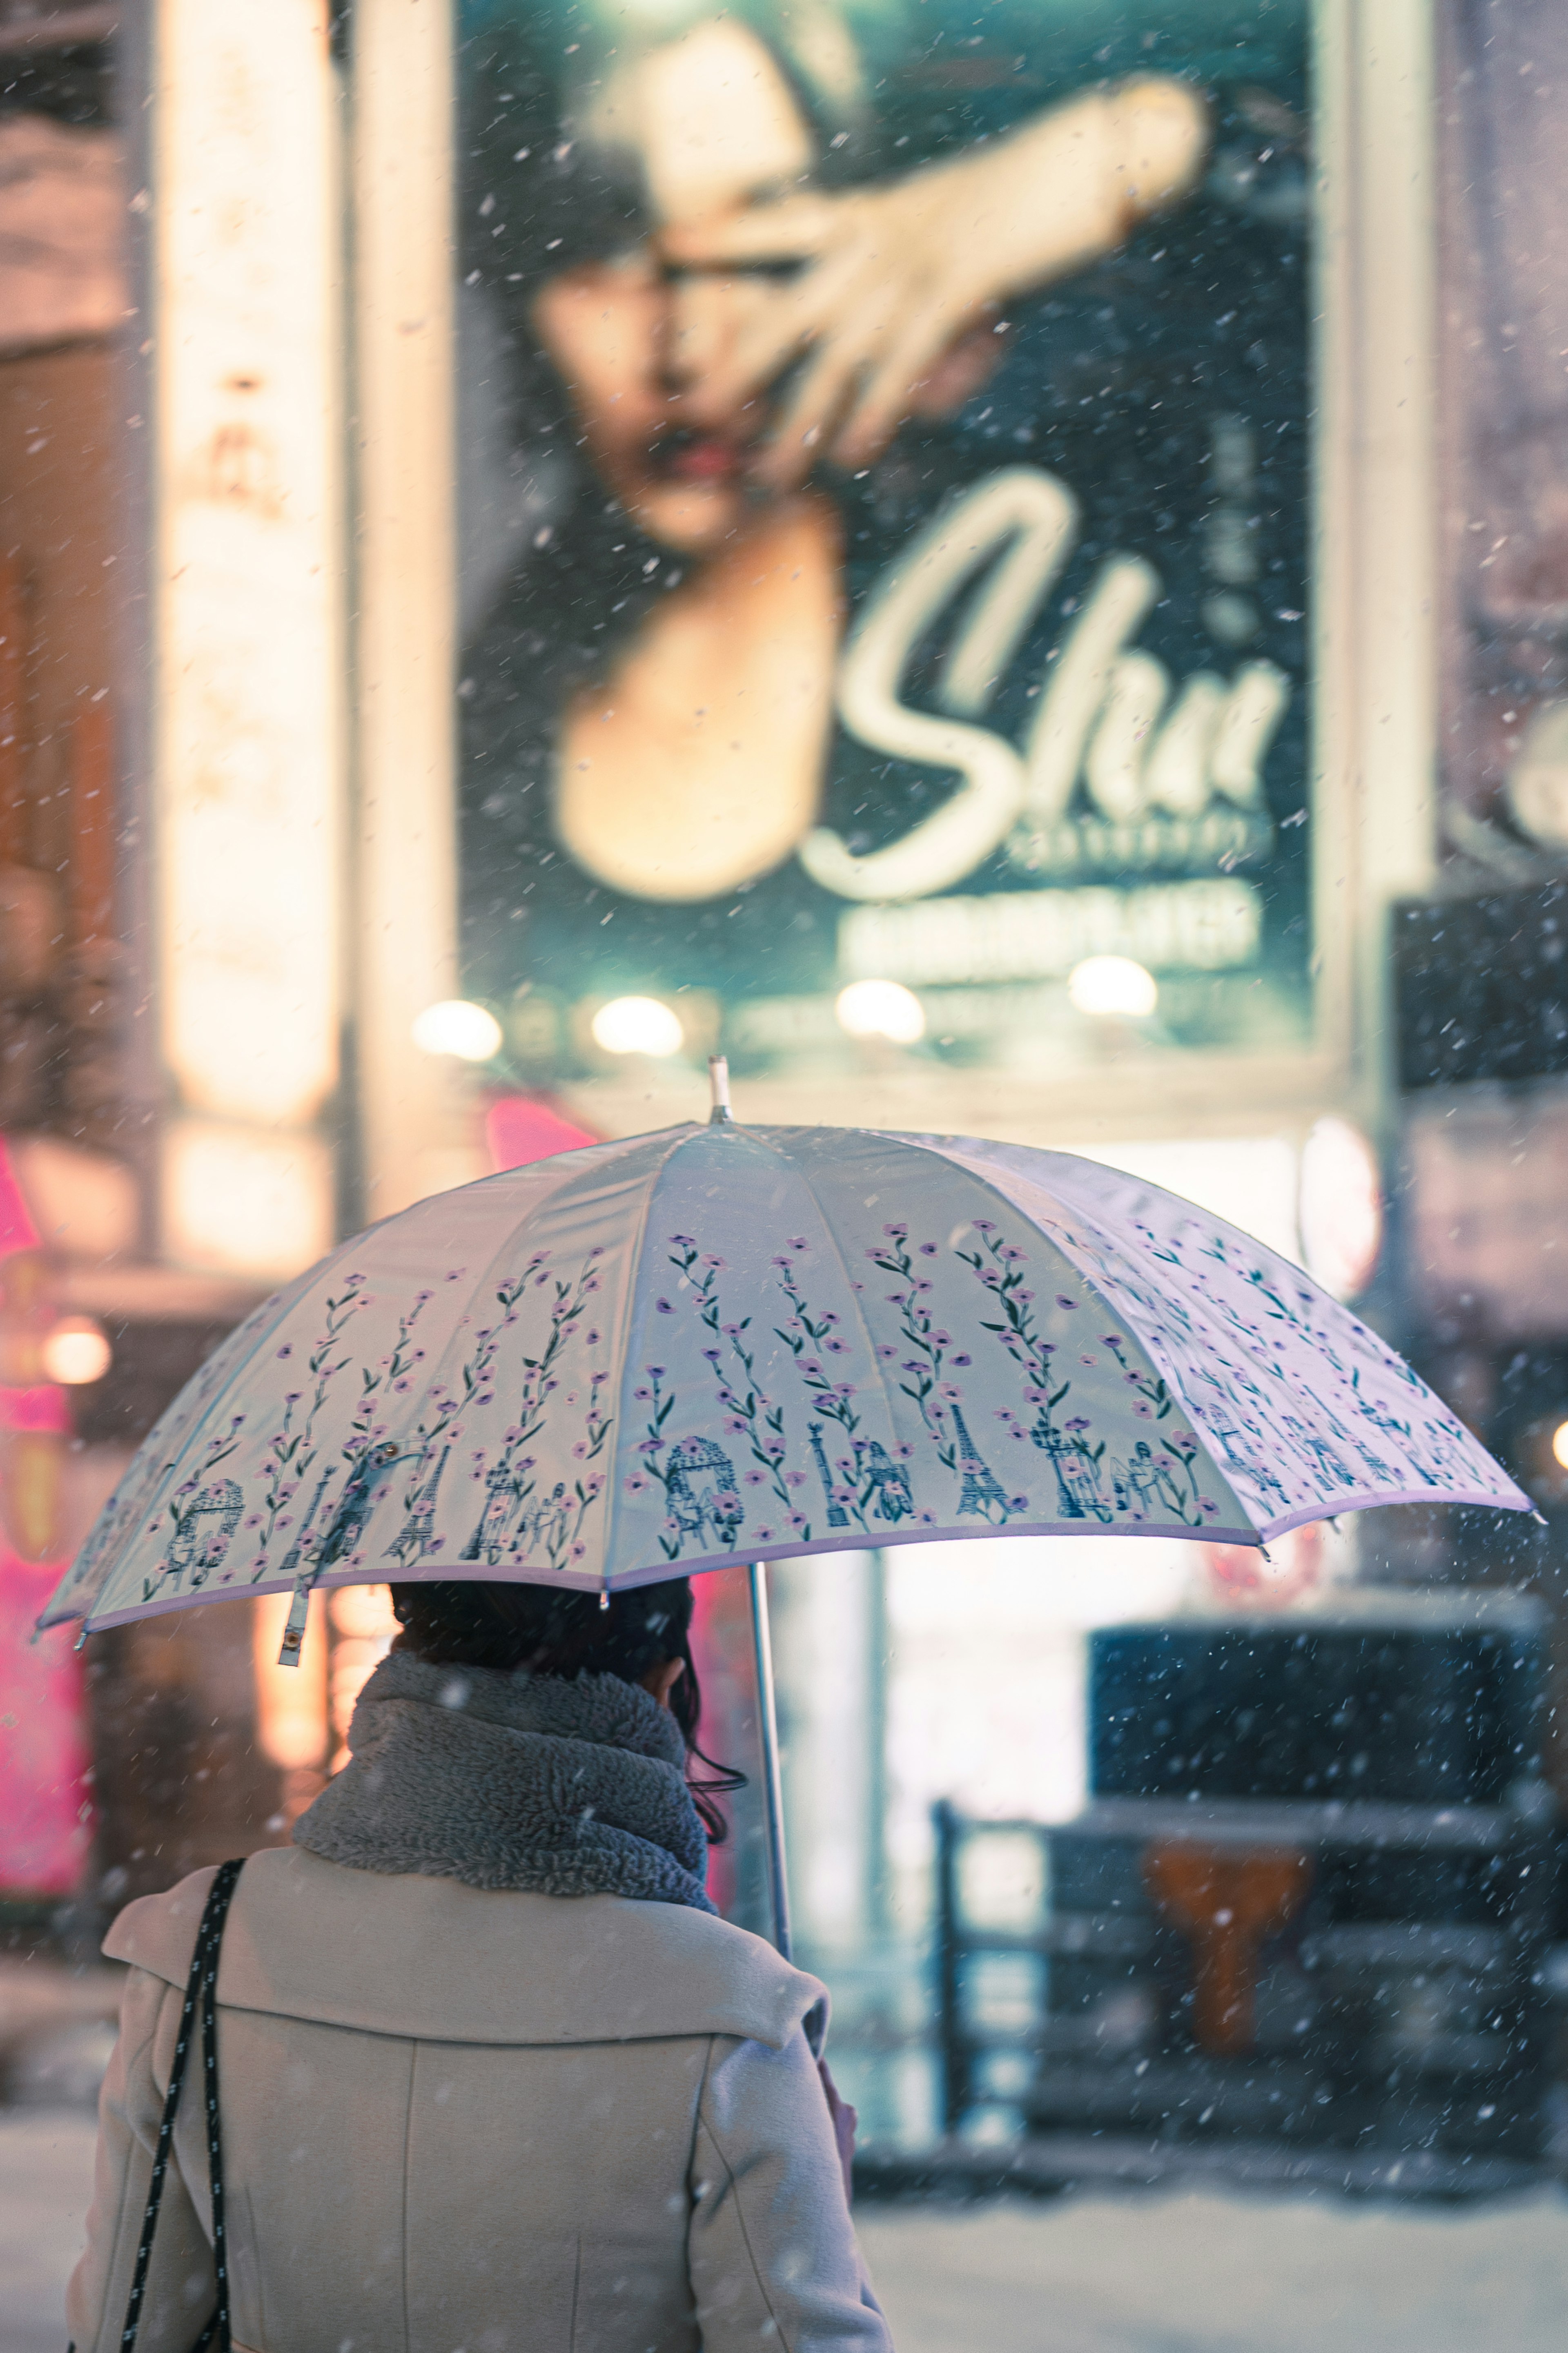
(412, 1109)
(249, 751)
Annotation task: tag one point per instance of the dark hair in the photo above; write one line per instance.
(538, 1630)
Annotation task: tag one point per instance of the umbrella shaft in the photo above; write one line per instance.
(772, 1784)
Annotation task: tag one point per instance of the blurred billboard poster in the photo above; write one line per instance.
(885, 526)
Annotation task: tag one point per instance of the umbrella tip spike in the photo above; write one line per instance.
(605, 1598)
(719, 1081)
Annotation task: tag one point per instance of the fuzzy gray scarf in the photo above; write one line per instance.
(569, 1788)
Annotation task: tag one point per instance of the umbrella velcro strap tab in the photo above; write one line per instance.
(294, 1628)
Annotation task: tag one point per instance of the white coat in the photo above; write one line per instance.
(469, 2120)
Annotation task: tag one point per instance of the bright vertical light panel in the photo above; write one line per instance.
(250, 753)
(419, 1137)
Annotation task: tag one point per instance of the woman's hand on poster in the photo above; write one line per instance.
(886, 295)
(896, 309)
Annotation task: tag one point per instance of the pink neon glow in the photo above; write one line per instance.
(45, 1816)
(520, 1130)
(18, 1231)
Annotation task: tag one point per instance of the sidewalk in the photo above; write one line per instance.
(57, 2030)
(1207, 2271)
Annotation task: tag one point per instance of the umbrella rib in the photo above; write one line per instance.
(623, 1341)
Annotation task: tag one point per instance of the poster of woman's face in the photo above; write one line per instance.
(884, 449)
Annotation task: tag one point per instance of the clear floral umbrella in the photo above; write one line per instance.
(722, 1344)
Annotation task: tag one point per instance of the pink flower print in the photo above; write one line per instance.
(927, 1519)
(664, 1307)
(1013, 1254)
(811, 1365)
(734, 1426)
(683, 1242)
(950, 1390)
(1133, 1380)
(896, 1233)
(1144, 1411)
(928, 1250)
(579, 1452)
(764, 1535)
(669, 1527)
(984, 1225)
(590, 1339)
(286, 1350)
(795, 1478)
(1018, 1503)
(718, 1265)
(962, 1361)
(1063, 1301)
(1078, 1422)
(796, 1242)
(655, 1372)
(642, 1396)
(835, 1346)
(1113, 1339)
(754, 1478)
(1209, 1510)
(1090, 1361)
(887, 1353)
(903, 1450)
(579, 1552)
(799, 1522)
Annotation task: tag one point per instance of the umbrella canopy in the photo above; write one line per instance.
(725, 1344)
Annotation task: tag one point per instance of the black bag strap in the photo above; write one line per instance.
(201, 1991)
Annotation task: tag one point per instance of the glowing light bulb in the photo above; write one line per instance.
(454, 1026)
(638, 1025)
(76, 1352)
(881, 1008)
(1113, 985)
(1560, 1445)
